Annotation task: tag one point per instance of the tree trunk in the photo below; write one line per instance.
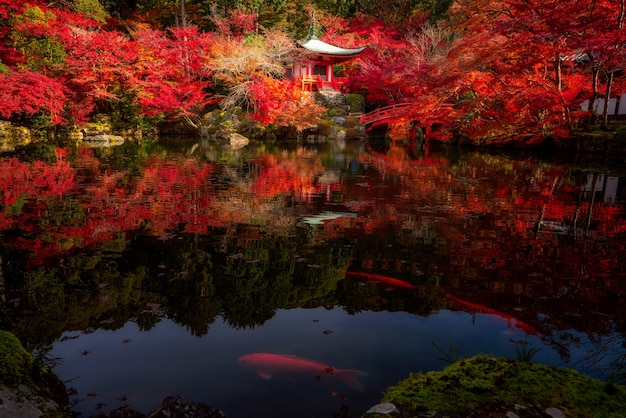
(611, 74)
(176, 22)
(427, 136)
(607, 98)
(183, 14)
(179, 7)
(591, 202)
(559, 72)
(595, 75)
(2, 285)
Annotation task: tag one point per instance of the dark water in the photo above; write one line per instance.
(144, 271)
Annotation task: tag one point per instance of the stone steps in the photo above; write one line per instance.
(330, 98)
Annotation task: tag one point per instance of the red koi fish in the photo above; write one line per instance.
(475, 307)
(395, 283)
(291, 367)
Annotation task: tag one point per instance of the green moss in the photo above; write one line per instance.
(15, 362)
(356, 102)
(30, 380)
(335, 111)
(465, 386)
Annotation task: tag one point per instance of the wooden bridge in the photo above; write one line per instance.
(383, 115)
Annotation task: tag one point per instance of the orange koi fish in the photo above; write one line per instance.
(475, 307)
(291, 367)
(396, 283)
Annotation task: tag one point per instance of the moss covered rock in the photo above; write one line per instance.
(474, 386)
(221, 124)
(15, 362)
(27, 389)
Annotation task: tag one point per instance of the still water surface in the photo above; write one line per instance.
(150, 270)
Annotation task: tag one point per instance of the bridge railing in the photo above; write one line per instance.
(383, 113)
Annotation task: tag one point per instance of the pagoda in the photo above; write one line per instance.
(316, 67)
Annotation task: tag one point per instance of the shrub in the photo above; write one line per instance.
(356, 102)
(324, 128)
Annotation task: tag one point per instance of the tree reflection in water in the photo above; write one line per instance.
(94, 240)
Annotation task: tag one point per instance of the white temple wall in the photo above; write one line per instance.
(621, 110)
(598, 105)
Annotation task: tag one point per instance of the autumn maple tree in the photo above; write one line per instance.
(87, 68)
(283, 103)
(30, 93)
(175, 73)
(494, 71)
(490, 71)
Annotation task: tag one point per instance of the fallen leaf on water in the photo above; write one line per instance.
(91, 394)
(126, 340)
(68, 337)
(327, 332)
(84, 353)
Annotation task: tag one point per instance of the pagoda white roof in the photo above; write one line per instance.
(320, 47)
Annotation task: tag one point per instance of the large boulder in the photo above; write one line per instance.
(103, 140)
(238, 141)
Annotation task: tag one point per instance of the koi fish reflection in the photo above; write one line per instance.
(389, 281)
(287, 367)
(510, 320)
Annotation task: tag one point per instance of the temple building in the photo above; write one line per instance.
(316, 67)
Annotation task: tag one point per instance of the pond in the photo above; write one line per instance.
(302, 280)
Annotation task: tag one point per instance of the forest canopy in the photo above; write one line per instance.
(484, 70)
